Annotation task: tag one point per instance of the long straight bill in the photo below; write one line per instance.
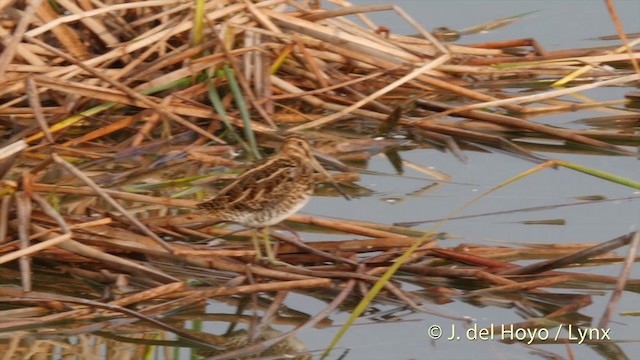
(316, 165)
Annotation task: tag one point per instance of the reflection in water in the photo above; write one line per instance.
(149, 344)
(291, 347)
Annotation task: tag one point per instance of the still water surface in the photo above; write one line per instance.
(556, 25)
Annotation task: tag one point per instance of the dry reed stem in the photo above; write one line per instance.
(415, 73)
(34, 102)
(214, 252)
(622, 280)
(81, 190)
(12, 149)
(112, 202)
(336, 225)
(542, 96)
(247, 289)
(93, 25)
(14, 42)
(571, 258)
(91, 13)
(334, 36)
(65, 35)
(623, 36)
(114, 261)
(495, 279)
(35, 248)
(149, 294)
(23, 207)
(513, 122)
(523, 286)
(4, 218)
(284, 62)
(129, 92)
(351, 10)
(359, 245)
(575, 306)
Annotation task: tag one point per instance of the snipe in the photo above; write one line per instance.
(268, 193)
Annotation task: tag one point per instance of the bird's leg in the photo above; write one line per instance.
(267, 246)
(256, 245)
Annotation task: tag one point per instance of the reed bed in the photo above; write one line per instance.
(115, 119)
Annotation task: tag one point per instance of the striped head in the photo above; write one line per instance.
(297, 148)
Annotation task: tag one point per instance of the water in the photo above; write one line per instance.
(557, 25)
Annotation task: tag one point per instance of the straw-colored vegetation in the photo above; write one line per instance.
(115, 117)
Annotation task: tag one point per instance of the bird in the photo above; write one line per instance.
(269, 192)
(289, 348)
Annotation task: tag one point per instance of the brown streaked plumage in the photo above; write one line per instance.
(270, 192)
